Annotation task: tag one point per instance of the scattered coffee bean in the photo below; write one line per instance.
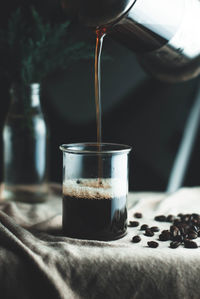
(138, 215)
(195, 222)
(196, 216)
(136, 239)
(160, 218)
(163, 238)
(186, 218)
(170, 218)
(144, 227)
(165, 232)
(154, 229)
(195, 228)
(190, 244)
(175, 244)
(174, 230)
(178, 238)
(165, 235)
(176, 222)
(192, 235)
(133, 223)
(149, 233)
(152, 244)
(184, 229)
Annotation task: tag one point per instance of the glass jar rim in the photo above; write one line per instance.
(93, 148)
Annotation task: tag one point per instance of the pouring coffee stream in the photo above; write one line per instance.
(100, 33)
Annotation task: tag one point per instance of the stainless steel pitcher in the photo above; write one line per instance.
(165, 34)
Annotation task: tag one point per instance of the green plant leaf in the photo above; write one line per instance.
(31, 49)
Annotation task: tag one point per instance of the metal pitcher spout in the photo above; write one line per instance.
(98, 13)
(163, 33)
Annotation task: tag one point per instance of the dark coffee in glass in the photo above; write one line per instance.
(93, 212)
(95, 187)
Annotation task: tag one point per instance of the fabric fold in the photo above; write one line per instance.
(37, 261)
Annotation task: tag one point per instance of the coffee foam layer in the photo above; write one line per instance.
(94, 188)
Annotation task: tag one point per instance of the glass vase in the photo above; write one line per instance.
(25, 156)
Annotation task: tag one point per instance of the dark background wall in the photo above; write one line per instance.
(137, 110)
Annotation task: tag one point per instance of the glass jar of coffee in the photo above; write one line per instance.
(95, 188)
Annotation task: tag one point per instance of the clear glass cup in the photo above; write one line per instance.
(95, 189)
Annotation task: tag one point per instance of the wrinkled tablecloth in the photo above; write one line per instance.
(36, 261)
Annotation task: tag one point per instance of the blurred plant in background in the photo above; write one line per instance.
(31, 48)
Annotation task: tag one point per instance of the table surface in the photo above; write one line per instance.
(39, 262)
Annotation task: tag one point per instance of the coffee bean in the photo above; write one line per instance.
(186, 218)
(163, 238)
(136, 239)
(192, 235)
(190, 244)
(160, 218)
(165, 235)
(138, 215)
(152, 244)
(195, 222)
(178, 238)
(180, 215)
(185, 238)
(144, 227)
(170, 218)
(154, 229)
(187, 227)
(176, 222)
(196, 216)
(190, 231)
(165, 231)
(149, 233)
(133, 223)
(175, 244)
(181, 229)
(174, 231)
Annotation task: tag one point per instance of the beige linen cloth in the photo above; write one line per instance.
(36, 261)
